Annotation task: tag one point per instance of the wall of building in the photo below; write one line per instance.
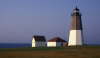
(75, 38)
(55, 44)
(59, 44)
(51, 44)
(40, 44)
(33, 42)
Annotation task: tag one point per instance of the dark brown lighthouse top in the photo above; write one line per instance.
(76, 20)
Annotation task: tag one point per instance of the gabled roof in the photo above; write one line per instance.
(39, 38)
(56, 39)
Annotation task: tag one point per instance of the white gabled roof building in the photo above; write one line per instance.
(38, 41)
(56, 42)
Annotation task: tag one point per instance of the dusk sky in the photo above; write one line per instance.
(21, 19)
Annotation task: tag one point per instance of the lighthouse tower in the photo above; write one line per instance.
(75, 34)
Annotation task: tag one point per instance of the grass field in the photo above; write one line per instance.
(59, 52)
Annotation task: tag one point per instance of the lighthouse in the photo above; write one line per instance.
(75, 33)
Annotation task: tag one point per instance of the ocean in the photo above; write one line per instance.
(14, 45)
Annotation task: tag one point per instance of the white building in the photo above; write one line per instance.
(38, 41)
(76, 30)
(56, 42)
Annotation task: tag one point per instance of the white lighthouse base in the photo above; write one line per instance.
(75, 38)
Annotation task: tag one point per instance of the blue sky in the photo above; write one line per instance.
(21, 19)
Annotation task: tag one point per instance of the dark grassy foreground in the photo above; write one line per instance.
(65, 52)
